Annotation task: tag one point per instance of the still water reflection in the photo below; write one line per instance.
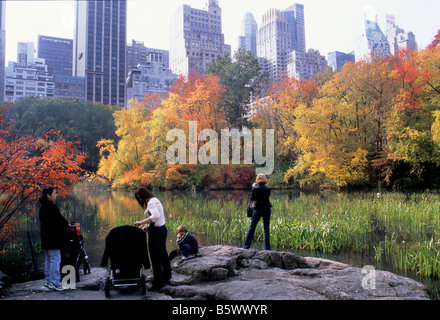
(99, 211)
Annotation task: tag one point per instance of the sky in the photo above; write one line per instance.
(331, 25)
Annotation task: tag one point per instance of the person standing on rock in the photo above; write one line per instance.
(157, 235)
(260, 194)
(53, 237)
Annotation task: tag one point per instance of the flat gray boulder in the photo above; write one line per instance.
(230, 273)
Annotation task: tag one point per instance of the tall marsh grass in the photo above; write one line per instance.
(401, 228)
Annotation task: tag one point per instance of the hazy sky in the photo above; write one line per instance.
(331, 25)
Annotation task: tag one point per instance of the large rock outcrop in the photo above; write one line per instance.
(230, 273)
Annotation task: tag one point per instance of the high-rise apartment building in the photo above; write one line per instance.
(151, 76)
(248, 39)
(99, 49)
(294, 15)
(400, 40)
(2, 49)
(58, 53)
(274, 43)
(372, 43)
(196, 38)
(304, 65)
(137, 54)
(28, 77)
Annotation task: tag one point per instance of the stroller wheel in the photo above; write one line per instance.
(143, 285)
(107, 287)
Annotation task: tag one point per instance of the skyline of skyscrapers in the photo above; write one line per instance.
(103, 57)
(99, 49)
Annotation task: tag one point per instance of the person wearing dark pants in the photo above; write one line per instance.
(154, 223)
(157, 237)
(260, 194)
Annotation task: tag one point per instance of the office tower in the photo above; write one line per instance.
(336, 59)
(2, 49)
(248, 39)
(58, 53)
(273, 43)
(196, 38)
(99, 49)
(294, 15)
(28, 77)
(372, 43)
(68, 87)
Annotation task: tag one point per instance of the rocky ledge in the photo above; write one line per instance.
(230, 273)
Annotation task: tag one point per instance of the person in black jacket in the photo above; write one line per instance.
(188, 244)
(260, 194)
(53, 237)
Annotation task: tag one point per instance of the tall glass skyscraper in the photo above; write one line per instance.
(295, 17)
(248, 39)
(99, 49)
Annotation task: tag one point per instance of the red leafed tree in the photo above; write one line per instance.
(28, 164)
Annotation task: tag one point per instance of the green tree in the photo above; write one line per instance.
(76, 120)
(242, 78)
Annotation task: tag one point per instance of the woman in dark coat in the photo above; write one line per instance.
(53, 237)
(260, 194)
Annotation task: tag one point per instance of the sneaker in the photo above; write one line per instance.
(57, 287)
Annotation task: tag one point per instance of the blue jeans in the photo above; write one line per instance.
(186, 249)
(52, 266)
(256, 216)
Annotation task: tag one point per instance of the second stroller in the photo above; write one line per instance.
(74, 254)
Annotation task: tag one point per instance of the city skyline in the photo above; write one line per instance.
(330, 25)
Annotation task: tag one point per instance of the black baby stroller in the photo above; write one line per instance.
(74, 253)
(126, 247)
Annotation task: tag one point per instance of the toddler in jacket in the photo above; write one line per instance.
(187, 242)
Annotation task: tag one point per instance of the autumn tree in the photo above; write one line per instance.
(123, 162)
(29, 163)
(140, 156)
(412, 124)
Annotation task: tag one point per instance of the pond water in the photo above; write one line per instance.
(99, 211)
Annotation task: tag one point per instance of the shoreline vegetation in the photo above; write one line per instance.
(401, 228)
(398, 231)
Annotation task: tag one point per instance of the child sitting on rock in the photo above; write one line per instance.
(188, 244)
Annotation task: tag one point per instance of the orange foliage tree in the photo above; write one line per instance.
(28, 164)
